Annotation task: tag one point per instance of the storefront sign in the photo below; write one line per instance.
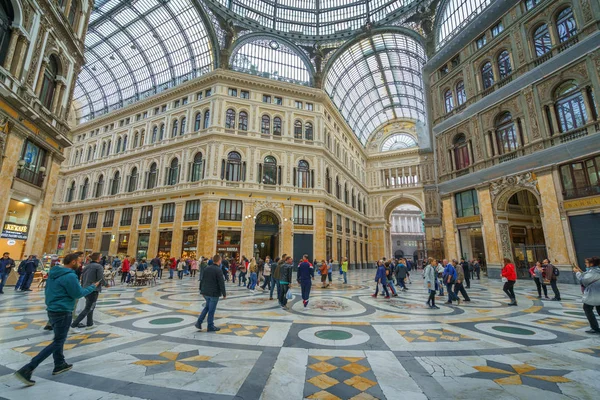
(15, 231)
(581, 203)
(228, 249)
(468, 220)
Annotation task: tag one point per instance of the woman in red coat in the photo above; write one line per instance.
(509, 277)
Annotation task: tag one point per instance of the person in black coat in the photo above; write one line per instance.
(305, 272)
(212, 286)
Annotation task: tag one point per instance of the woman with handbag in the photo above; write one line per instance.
(509, 277)
(537, 273)
(590, 285)
(430, 276)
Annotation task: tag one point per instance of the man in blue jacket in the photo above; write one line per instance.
(62, 290)
(31, 267)
(305, 272)
(6, 265)
(449, 277)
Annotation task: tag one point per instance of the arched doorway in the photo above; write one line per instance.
(266, 235)
(407, 232)
(398, 254)
(525, 231)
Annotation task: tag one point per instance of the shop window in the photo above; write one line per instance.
(92, 219)
(146, 215)
(466, 203)
(230, 210)
(190, 241)
(164, 244)
(168, 212)
(74, 243)
(123, 244)
(566, 25)
(109, 219)
(126, 215)
(142, 247)
(570, 107)
(303, 215)
(192, 210)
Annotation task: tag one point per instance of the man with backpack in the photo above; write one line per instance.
(552, 273)
(449, 277)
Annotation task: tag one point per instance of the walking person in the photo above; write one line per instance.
(93, 272)
(253, 268)
(323, 269)
(243, 272)
(212, 286)
(509, 277)
(330, 271)
(285, 281)
(7, 264)
(267, 273)
(467, 273)
(305, 279)
(345, 270)
(477, 269)
(125, 267)
(449, 277)
(234, 266)
(440, 276)
(156, 266)
(552, 273)
(21, 272)
(172, 267)
(62, 290)
(180, 268)
(430, 277)
(590, 281)
(460, 278)
(380, 280)
(401, 272)
(537, 273)
(31, 267)
(275, 275)
(389, 276)
(193, 267)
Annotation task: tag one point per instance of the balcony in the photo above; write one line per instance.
(191, 217)
(77, 226)
(108, 224)
(35, 178)
(167, 218)
(145, 221)
(579, 192)
(329, 224)
(91, 225)
(126, 222)
(339, 228)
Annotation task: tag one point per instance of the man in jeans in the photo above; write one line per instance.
(62, 290)
(285, 281)
(552, 277)
(93, 272)
(212, 286)
(449, 277)
(6, 264)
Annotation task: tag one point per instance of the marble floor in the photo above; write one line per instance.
(344, 345)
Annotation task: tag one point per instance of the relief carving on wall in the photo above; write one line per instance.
(535, 129)
(33, 71)
(587, 10)
(520, 52)
(505, 240)
(477, 138)
(265, 205)
(546, 88)
(499, 189)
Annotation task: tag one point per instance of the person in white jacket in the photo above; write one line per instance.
(590, 280)
(430, 277)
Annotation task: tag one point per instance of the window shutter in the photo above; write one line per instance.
(189, 177)
(295, 176)
(312, 178)
(260, 173)
(146, 180)
(222, 169)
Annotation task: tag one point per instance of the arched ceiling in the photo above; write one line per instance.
(136, 48)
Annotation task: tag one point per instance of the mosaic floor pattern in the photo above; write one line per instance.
(344, 345)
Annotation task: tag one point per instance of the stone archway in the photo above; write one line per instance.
(266, 235)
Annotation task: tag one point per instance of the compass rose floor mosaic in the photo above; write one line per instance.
(344, 345)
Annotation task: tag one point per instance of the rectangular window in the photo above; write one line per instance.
(233, 92)
(121, 123)
(278, 100)
(244, 94)
(339, 250)
(64, 223)
(303, 215)
(298, 105)
(444, 70)
(156, 111)
(127, 121)
(466, 203)
(145, 114)
(199, 96)
(310, 106)
(93, 220)
(176, 104)
(581, 178)
(497, 29)
(163, 108)
(138, 117)
(481, 41)
(126, 216)
(184, 101)
(230, 210)
(142, 247)
(339, 222)
(77, 221)
(354, 228)
(348, 225)
(455, 61)
(74, 242)
(208, 93)
(192, 210)
(328, 247)
(329, 218)
(109, 219)
(266, 98)
(146, 215)
(168, 212)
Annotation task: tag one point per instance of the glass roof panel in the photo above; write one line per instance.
(377, 80)
(455, 14)
(137, 48)
(398, 141)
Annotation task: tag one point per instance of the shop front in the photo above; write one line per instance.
(15, 230)
(89, 242)
(60, 246)
(142, 246)
(228, 243)
(164, 244)
(123, 244)
(471, 244)
(74, 243)
(190, 243)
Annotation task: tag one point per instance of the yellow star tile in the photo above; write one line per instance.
(92, 340)
(46, 343)
(509, 380)
(352, 359)
(523, 369)
(532, 309)
(79, 337)
(224, 331)
(323, 395)
(251, 327)
(450, 338)
(363, 396)
(437, 332)
(234, 326)
(321, 358)
(243, 333)
(492, 370)
(265, 328)
(20, 327)
(360, 383)
(169, 355)
(260, 334)
(322, 367)
(197, 358)
(402, 332)
(181, 367)
(143, 300)
(427, 338)
(70, 346)
(323, 381)
(417, 332)
(355, 369)
(31, 353)
(555, 379)
(150, 363)
(21, 349)
(409, 339)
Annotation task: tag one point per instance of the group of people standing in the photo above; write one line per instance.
(26, 270)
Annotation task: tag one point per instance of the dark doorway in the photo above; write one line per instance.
(398, 254)
(266, 235)
(303, 244)
(586, 236)
(105, 244)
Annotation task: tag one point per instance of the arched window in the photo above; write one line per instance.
(70, 192)
(103, 152)
(461, 152)
(173, 172)
(119, 144)
(175, 129)
(298, 129)
(277, 126)
(183, 126)
(89, 154)
(99, 187)
(506, 134)
(570, 107)
(161, 134)
(541, 40)
(124, 143)
(504, 67)
(566, 25)
(136, 139)
(73, 11)
(269, 173)
(308, 131)
(84, 189)
(303, 175)
(197, 168)
(243, 121)
(114, 185)
(152, 176)
(338, 188)
(265, 125)
(353, 199)
(49, 82)
(142, 137)
(487, 75)
(206, 119)
(230, 119)
(108, 147)
(197, 121)
(327, 181)
(6, 19)
(461, 94)
(346, 195)
(133, 180)
(154, 134)
(233, 168)
(448, 100)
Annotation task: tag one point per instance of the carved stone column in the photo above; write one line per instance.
(21, 50)
(12, 45)
(38, 86)
(57, 95)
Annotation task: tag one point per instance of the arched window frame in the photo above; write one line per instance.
(542, 42)
(448, 100)
(506, 133)
(297, 129)
(154, 134)
(197, 121)
(504, 64)
(308, 131)
(566, 25)
(230, 119)
(303, 175)
(70, 192)
(175, 129)
(277, 126)
(182, 126)
(269, 174)
(327, 181)
(173, 172)
(233, 169)
(115, 183)
(99, 189)
(243, 121)
(569, 106)
(132, 180)
(161, 135)
(460, 152)
(461, 94)
(48, 90)
(152, 176)
(84, 189)
(197, 170)
(206, 122)
(265, 125)
(487, 75)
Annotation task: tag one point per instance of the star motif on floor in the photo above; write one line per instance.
(26, 323)
(521, 374)
(167, 361)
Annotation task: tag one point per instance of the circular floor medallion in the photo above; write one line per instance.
(515, 331)
(333, 336)
(512, 329)
(165, 321)
(111, 303)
